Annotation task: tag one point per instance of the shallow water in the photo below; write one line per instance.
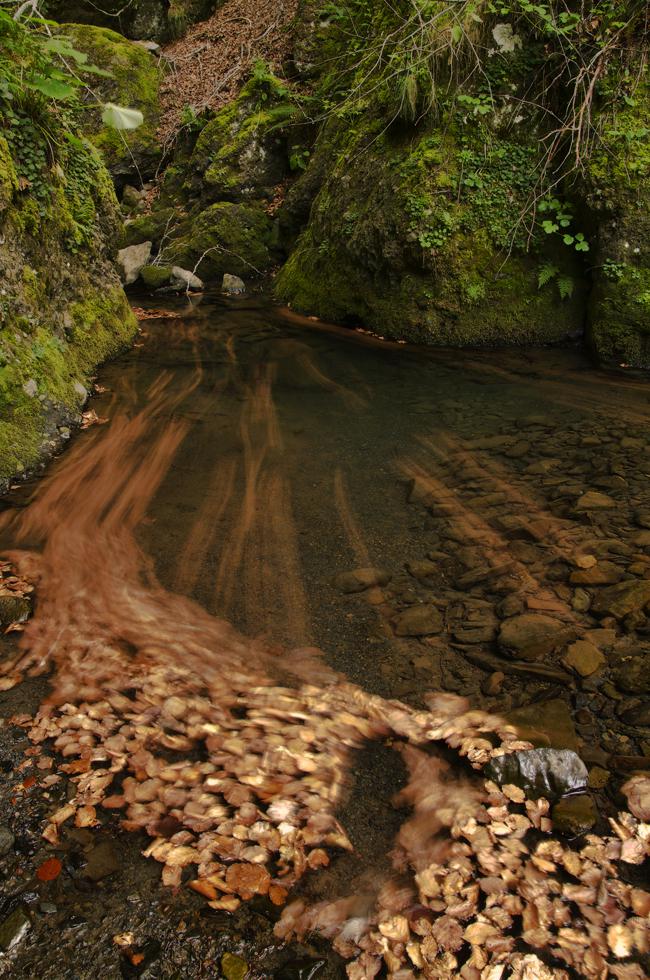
(256, 455)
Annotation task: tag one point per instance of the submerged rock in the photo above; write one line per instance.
(540, 772)
(574, 815)
(233, 967)
(532, 636)
(622, 599)
(14, 609)
(418, 621)
(6, 840)
(13, 928)
(584, 658)
(361, 579)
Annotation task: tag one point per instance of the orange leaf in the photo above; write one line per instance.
(49, 870)
(136, 958)
(29, 781)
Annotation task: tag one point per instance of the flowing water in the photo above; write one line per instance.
(217, 681)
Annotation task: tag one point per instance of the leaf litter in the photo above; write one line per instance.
(235, 761)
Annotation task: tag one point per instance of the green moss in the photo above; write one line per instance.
(152, 227)
(155, 276)
(241, 153)
(416, 239)
(101, 323)
(135, 83)
(8, 178)
(226, 237)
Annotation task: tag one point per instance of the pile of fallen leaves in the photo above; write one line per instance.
(209, 63)
(235, 761)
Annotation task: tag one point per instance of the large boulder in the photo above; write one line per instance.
(134, 82)
(241, 154)
(157, 20)
(225, 237)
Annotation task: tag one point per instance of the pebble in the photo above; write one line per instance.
(13, 928)
(533, 636)
(598, 777)
(574, 815)
(361, 579)
(604, 573)
(421, 620)
(584, 658)
(492, 685)
(622, 599)
(7, 840)
(594, 500)
(233, 967)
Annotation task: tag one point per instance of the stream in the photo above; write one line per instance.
(251, 577)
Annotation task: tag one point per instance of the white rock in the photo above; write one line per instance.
(232, 285)
(183, 279)
(131, 260)
(30, 388)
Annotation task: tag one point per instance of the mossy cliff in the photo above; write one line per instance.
(134, 81)
(62, 310)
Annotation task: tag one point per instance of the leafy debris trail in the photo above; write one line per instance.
(212, 58)
(235, 760)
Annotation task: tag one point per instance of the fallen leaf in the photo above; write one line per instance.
(49, 870)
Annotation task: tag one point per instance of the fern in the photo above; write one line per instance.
(547, 272)
(565, 285)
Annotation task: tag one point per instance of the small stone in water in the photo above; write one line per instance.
(13, 928)
(532, 636)
(6, 840)
(574, 815)
(360, 579)
(233, 967)
(541, 772)
(418, 621)
(584, 658)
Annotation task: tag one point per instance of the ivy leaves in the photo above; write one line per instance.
(561, 218)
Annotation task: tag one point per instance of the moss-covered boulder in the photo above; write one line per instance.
(225, 237)
(242, 153)
(62, 310)
(619, 198)
(154, 227)
(134, 82)
(155, 276)
(413, 235)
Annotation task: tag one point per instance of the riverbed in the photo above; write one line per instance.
(461, 521)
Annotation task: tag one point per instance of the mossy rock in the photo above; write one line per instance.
(134, 83)
(152, 227)
(241, 154)
(391, 242)
(8, 177)
(155, 276)
(225, 237)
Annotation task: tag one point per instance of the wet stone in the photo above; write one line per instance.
(633, 675)
(639, 716)
(584, 658)
(13, 928)
(7, 840)
(233, 967)
(14, 609)
(418, 621)
(594, 500)
(546, 723)
(533, 636)
(422, 569)
(361, 579)
(540, 772)
(102, 861)
(493, 684)
(598, 777)
(603, 573)
(574, 815)
(642, 539)
(622, 599)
